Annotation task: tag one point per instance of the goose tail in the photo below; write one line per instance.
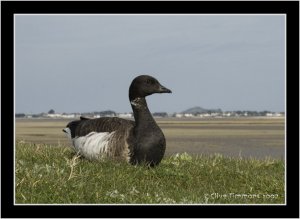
(70, 129)
(68, 132)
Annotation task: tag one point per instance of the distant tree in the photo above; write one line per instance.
(51, 111)
(20, 115)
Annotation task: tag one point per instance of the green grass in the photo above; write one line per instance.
(48, 174)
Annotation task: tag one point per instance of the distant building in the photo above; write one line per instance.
(54, 115)
(178, 115)
(160, 114)
(68, 116)
(203, 115)
(125, 115)
(227, 114)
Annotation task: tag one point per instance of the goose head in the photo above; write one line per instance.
(145, 85)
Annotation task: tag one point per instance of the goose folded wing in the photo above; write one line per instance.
(106, 124)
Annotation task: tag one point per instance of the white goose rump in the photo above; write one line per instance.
(95, 145)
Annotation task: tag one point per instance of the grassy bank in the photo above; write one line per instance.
(54, 174)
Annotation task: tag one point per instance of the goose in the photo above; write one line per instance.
(137, 142)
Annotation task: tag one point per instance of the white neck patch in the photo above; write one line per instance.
(136, 102)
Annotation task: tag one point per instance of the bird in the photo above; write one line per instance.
(137, 142)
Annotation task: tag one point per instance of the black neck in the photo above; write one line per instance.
(141, 112)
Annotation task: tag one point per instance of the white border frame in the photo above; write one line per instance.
(200, 204)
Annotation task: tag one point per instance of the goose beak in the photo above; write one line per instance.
(163, 89)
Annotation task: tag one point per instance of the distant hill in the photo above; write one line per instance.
(199, 110)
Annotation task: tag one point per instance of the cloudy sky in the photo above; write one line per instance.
(84, 63)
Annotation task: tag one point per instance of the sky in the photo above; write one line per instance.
(85, 63)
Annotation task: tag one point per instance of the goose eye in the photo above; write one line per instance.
(149, 81)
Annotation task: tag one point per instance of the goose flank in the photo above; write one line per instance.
(137, 142)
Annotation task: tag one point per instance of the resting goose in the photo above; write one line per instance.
(139, 141)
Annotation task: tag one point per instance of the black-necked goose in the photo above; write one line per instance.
(137, 142)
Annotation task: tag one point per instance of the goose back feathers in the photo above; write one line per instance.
(139, 141)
